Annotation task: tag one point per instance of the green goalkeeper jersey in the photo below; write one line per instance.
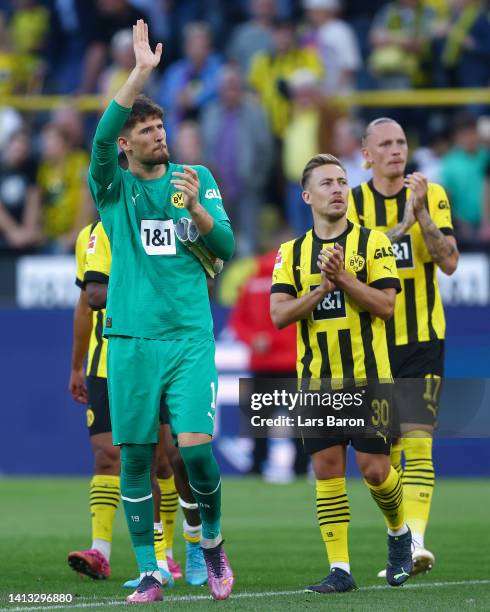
(157, 287)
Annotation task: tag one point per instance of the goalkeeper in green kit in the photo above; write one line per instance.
(158, 318)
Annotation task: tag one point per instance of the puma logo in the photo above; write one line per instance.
(401, 574)
(134, 198)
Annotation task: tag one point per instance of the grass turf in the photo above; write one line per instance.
(272, 540)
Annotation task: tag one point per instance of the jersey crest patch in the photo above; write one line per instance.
(177, 199)
(356, 262)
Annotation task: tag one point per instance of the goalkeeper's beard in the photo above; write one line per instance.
(161, 157)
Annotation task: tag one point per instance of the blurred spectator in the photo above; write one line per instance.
(122, 54)
(401, 39)
(9, 77)
(308, 131)
(336, 43)
(254, 35)
(463, 173)
(159, 14)
(28, 36)
(463, 41)
(272, 351)
(70, 31)
(110, 17)
(347, 138)
(10, 122)
(187, 147)
(71, 121)
(66, 205)
(428, 159)
(188, 84)
(19, 196)
(359, 14)
(270, 70)
(238, 147)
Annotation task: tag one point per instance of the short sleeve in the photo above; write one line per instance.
(382, 270)
(282, 275)
(98, 258)
(80, 254)
(440, 209)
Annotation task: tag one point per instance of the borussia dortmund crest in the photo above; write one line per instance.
(356, 262)
(177, 199)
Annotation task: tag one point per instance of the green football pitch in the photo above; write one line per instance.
(273, 543)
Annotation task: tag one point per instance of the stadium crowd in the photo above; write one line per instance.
(248, 89)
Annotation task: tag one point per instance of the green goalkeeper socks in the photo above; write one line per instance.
(136, 460)
(205, 482)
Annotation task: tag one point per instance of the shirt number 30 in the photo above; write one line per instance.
(158, 237)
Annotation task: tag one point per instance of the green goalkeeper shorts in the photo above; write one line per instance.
(141, 372)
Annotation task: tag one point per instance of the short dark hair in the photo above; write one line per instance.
(143, 109)
(322, 159)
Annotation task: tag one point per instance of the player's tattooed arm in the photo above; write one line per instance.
(442, 249)
(397, 232)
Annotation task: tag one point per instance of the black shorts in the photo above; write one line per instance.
(98, 413)
(374, 437)
(418, 369)
(374, 446)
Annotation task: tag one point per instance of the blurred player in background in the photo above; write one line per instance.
(416, 216)
(334, 284)
(94, 260)
(158, 319)
(104, 486)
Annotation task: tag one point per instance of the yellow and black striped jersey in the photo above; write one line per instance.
(80, 253)
(419, 315)
(93, 255)
(339, 340)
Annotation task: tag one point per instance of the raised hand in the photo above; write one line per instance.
(188, 182)
(146, 59)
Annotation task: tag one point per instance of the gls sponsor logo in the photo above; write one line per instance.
(443, 204)
(383, 252)
(331, 307)
(213, 194)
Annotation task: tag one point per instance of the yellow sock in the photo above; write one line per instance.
(418, 482)
(333, 514)
(159, 538)
(169, 501)
(104, 500)
(396, 456)
(389, 497)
